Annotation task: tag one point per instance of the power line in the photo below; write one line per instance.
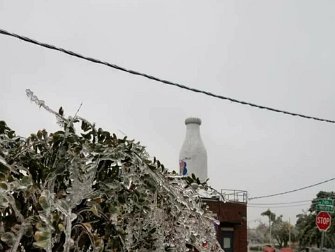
(283, 204)
(151, 77)
(291, 191)
(296, 205)
(279, 203)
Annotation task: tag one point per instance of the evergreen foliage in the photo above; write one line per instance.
(91, 191)
(308, 233)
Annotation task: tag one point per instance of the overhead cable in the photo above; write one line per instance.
(279, 203)
(296, 205)
(291, 191)
(151, 77)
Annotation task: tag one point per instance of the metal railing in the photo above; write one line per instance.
(232, 195)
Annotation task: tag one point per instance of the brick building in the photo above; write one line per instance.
(232, 214)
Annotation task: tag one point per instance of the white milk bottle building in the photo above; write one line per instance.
(193, 154)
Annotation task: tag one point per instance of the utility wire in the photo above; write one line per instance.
(279, 203)
(291, 191)
(97, 61)
(297, 205)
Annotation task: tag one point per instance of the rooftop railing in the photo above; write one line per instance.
(232, 195)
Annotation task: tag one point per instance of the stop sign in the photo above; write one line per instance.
(323, 221)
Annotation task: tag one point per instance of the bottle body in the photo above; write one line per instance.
(193, 154)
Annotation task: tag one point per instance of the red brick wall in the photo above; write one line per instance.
(232, 215)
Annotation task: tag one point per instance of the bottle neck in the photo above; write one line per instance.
(193, 130)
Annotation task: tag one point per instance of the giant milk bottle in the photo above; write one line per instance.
(193, 154)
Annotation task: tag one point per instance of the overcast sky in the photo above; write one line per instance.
(275, 53)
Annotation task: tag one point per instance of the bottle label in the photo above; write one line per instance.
(182, 168)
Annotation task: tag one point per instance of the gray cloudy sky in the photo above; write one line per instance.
(275, 53)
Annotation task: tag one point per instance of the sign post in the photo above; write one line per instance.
(323, 218)
(323, 222)
(322, 239)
